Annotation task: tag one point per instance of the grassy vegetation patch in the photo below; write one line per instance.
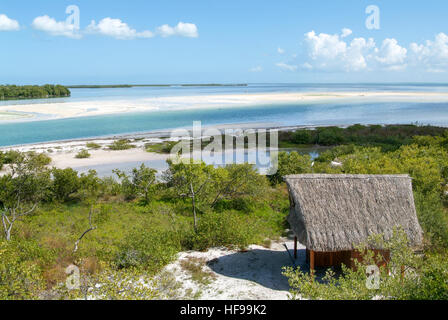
(196, 268)
(83, 154)
(123, 144)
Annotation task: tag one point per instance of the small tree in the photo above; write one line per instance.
(22, 189)
(65, 183)
(89, 189)
(195, 181)
(141, 183)
(238, 180)
(291, 163)
(144, 180)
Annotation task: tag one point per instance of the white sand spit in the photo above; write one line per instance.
(58, 110)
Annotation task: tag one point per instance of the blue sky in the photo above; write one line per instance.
(222, 41)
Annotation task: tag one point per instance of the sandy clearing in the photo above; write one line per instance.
(59, 110)
(254, 274)
(99, 157)
(63, 154)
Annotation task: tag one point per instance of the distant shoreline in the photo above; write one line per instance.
(158, 134)
(111, 86)
(31, 92)
(163, 135)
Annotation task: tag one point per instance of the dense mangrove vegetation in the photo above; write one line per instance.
(11, 92)
(131, 225)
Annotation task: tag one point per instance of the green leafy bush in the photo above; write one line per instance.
(93, 145)
(148, 249)
(330, 136)
(141, 183)
(65, 182)
(83, 154)
(20, 277)
(222, 229)
(407, 276)
(123, 144)
(291, 163)
(164, 147)
(302, 137)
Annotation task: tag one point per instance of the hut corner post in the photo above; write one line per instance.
(312, 263)
(295, 248)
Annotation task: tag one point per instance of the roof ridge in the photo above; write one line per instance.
(345, 176)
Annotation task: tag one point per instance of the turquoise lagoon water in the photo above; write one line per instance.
(341, 113)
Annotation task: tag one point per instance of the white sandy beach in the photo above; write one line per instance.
(63, 154)
(104, 157)
(59, 110)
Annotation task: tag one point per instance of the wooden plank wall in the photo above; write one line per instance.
(336, 259)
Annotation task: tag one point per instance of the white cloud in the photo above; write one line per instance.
(182, 29)
(286, 66)
(333, 53)
(336, 53)
(433, 55)
(280, 50)
(256, 69)
(392, 55)
(358, 54)
(117, 29)
(346, 32)
(7, 24)
(110, 27)
(330, 53)
(56, 28)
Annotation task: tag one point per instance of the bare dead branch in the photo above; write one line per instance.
(85, 232)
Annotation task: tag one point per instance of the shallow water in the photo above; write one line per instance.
(261, 160)
(328, 113)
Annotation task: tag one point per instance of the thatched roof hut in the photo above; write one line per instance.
(336, 212)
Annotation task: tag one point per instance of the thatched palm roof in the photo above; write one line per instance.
(338, 212)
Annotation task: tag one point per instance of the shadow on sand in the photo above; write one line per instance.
(262, 266)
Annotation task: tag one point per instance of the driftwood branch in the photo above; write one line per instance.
(85, 232)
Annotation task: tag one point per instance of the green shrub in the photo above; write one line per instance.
(222, 229)
(65, 182)
(110, 187)
(333, 153)
(141, 183)
(302, 137)
(150, 249)
(423, 277)
(164, 147)
(20, 277)
(291, 163)
(432, 217)
(330, 136)
(93, 145)
(123, 144)
(433, 280)
(245, 204)
(83, 154)
(90, 186)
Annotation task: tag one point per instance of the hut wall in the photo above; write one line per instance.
(382, 257)
(337, 258)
